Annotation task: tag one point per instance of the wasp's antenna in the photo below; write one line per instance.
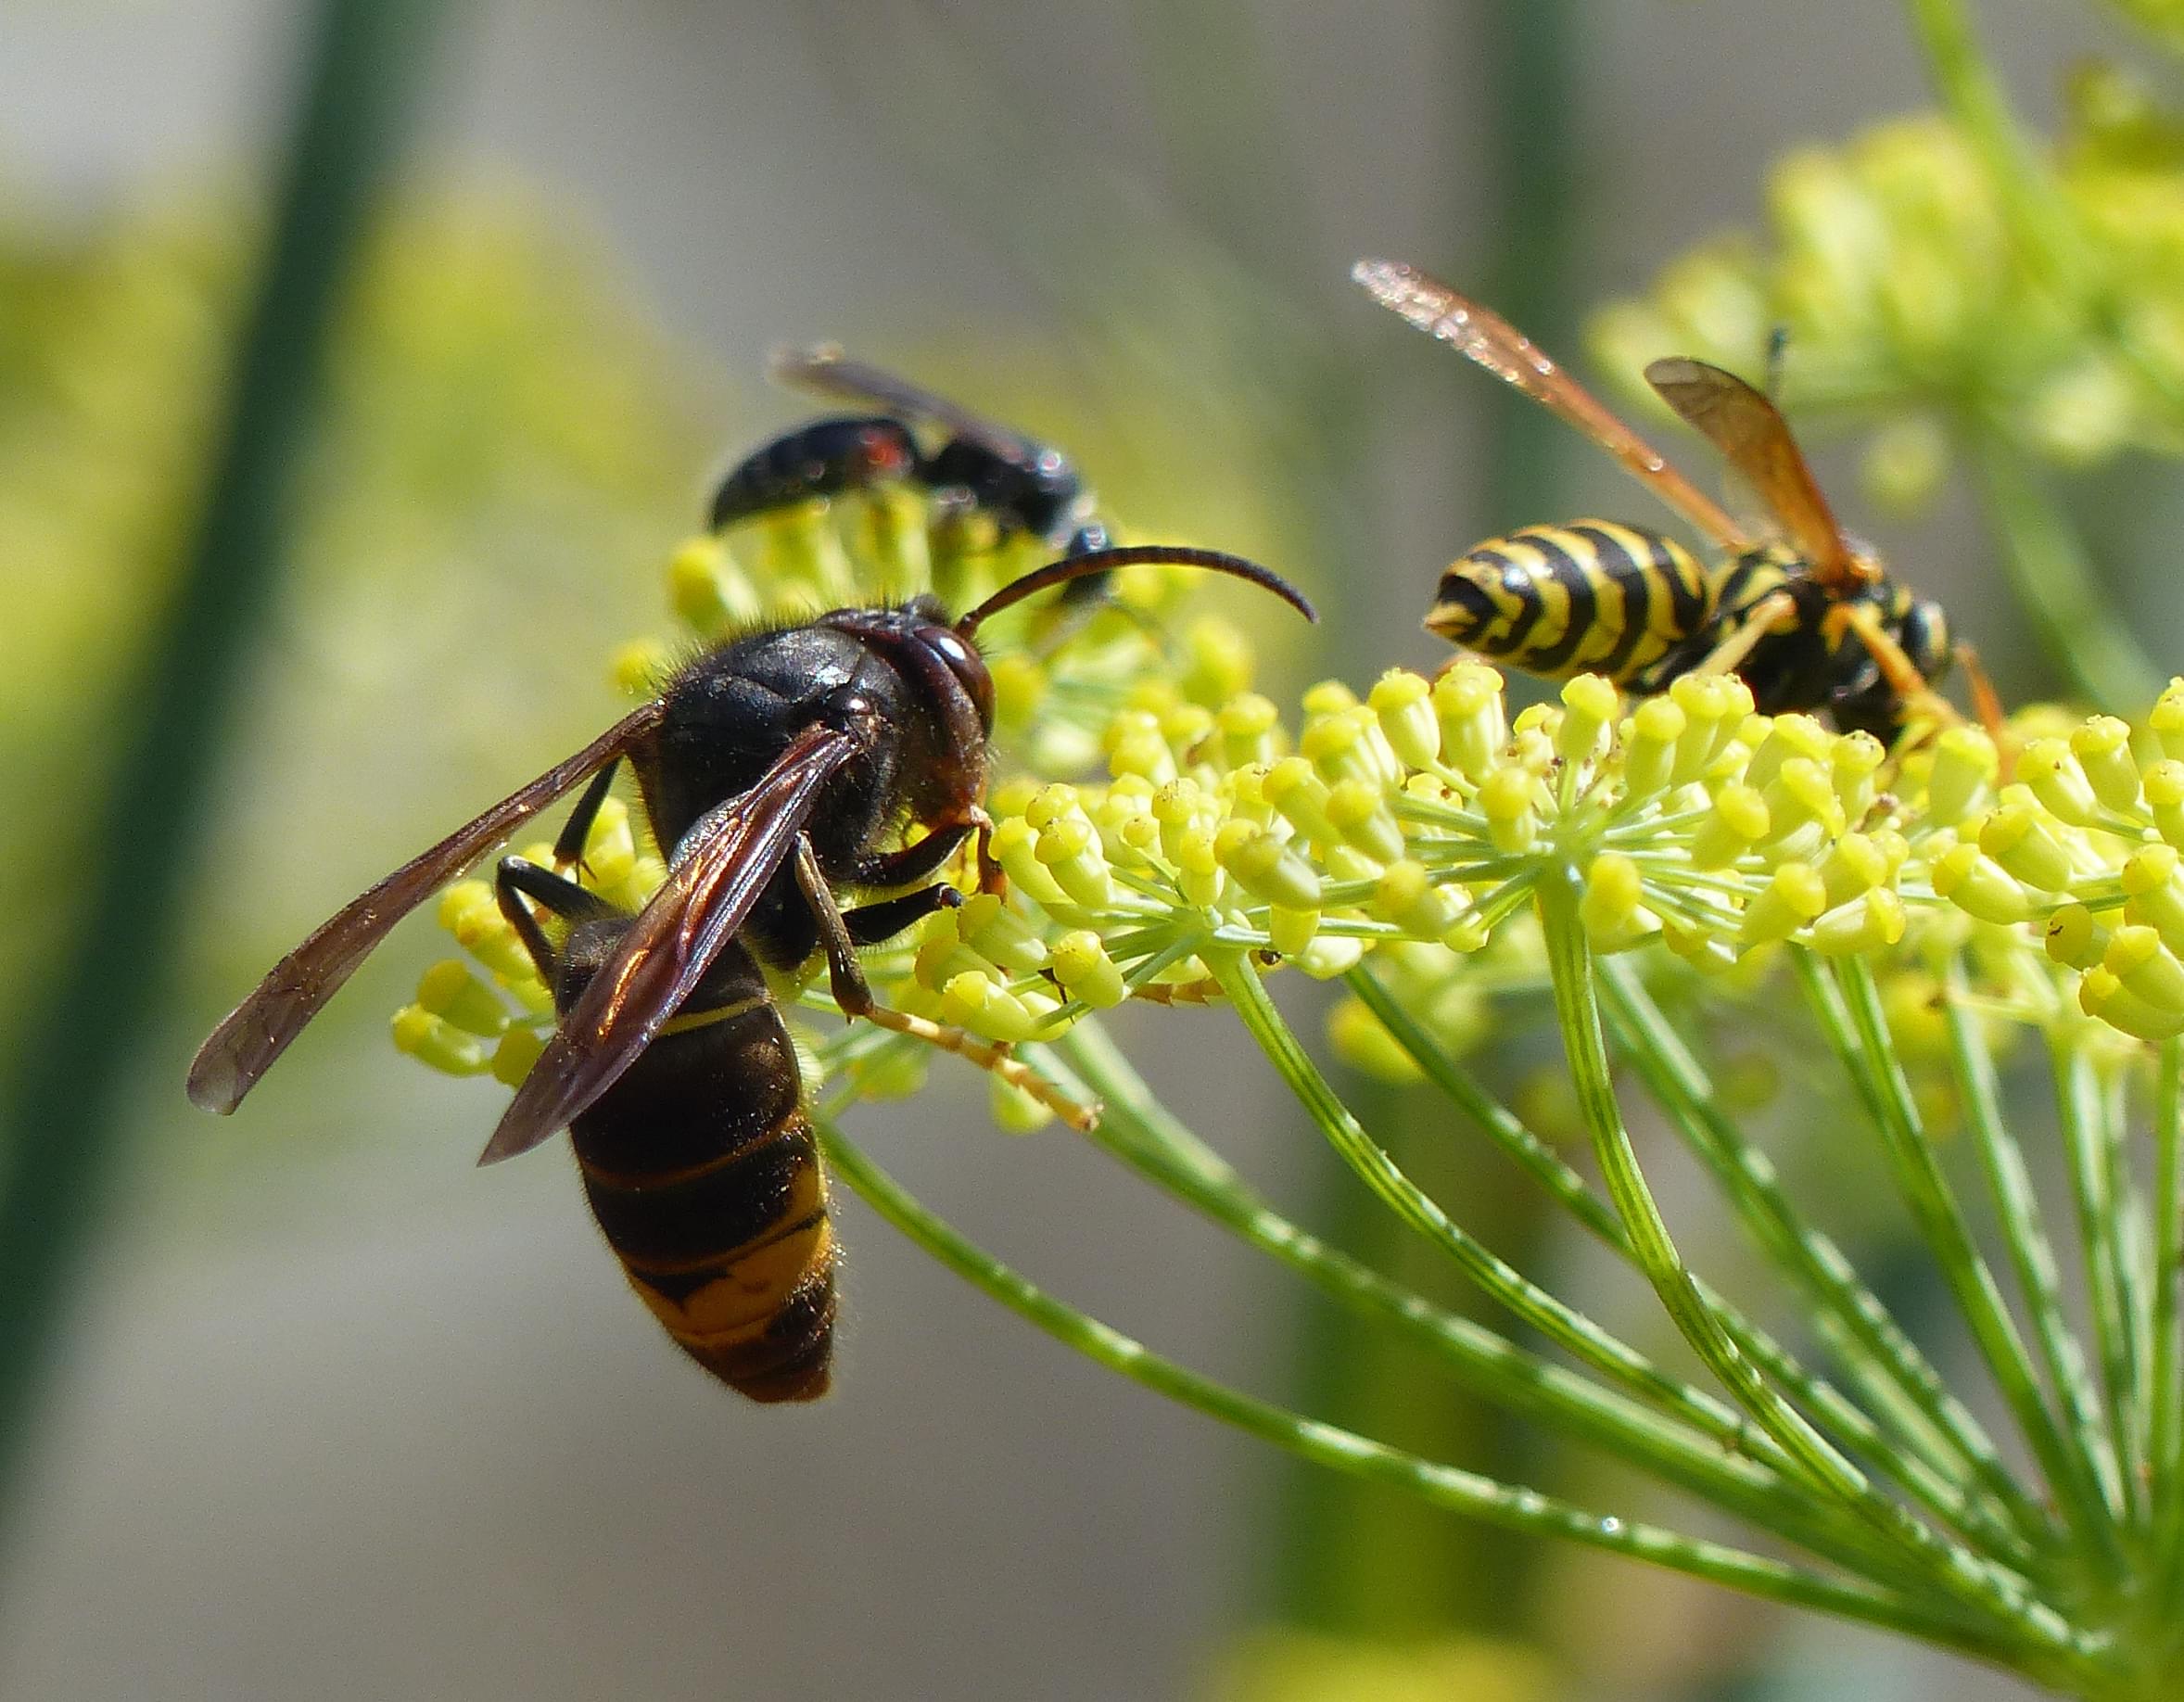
(1099, 561)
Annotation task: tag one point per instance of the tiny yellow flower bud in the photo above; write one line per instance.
(437, 1042)
(1019, 685)
(2017, 836)
(2103, 747)
(1217, 661)
(1328, 697)
(1801, 794)
(1787, 736)
(1467, 703)
(1300, 797)
(1014, 1111)
(1292, 932)
(1588, 706)
(2152, 894)
(1854, 866)
(641, 668)
(1979, 886)
(1330, 955)
(517, 1051)
(1870, 923)
(1793, 898)
(986, 924)
(1142, 752)
(1700, 948)
(1198, 868)
(976, 1001)
(1406, 895)
(1506, 799)
(1855, 763)
(2073, 939)
(1249, 727)
(1649, 745)
(2050, 768)
(2165, 799)
(1086, 973)
(1266, 867)
(2101, 995)
(1612, 906)
(2148, 970)
(1359, 812)
(484, 933)
(2167, 719)
(1964, 766)
(450, 990)
(1069, 849)
(710, 595)
(1362, 1041)
(1404, 702)
(1738, 821)
(1015, 846)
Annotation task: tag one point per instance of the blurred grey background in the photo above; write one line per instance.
(344, 1417)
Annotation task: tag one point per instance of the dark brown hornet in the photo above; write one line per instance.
(775, 768)
(1798, 610)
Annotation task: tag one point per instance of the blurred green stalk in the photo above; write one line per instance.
(359, 67)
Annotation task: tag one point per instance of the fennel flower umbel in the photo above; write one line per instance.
(1431, 851)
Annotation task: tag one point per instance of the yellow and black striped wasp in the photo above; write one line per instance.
(1802, 613)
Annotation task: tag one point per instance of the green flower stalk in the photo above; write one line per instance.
(1636, 867)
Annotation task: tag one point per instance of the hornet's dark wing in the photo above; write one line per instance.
(258, 1030)
(825, 370)
(722, 866)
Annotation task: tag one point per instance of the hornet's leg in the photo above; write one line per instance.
(846, 980)
(517, 879)
(569, 847)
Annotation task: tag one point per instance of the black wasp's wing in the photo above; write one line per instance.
(825, 370)
(258, 1030)
(722, 866)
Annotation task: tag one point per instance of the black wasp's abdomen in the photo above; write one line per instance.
(704, 1171)
(823, 459)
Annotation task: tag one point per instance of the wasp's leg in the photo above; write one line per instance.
(519, 878)
(845, 979)
(1898, 669)
(1729, 655)
(568, 845)
(1987, 703)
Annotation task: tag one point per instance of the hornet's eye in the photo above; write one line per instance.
(969, 668)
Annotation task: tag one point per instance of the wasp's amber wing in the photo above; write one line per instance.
(1491, 341)
(722, 866)
(258, 1030)
(1757, 442)
(826, 371)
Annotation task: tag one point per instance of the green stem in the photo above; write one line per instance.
(1135, 1129)
(2166, 1425)
(2081, 1106)
(1967, 1576)
(1501, 1505)
(2084, 1473)
(1552, 1317)
(1930, 1423)
(1937, 1489)
(1867, 1054)
(66, 1087)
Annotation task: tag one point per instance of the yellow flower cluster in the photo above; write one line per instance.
(1421, 821)
(1912, 304)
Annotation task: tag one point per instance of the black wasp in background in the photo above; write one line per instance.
(782, 770)
(1026, 488)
